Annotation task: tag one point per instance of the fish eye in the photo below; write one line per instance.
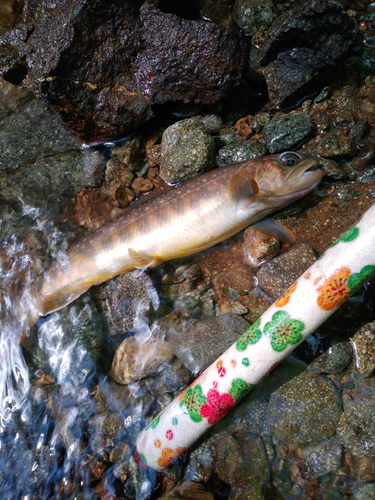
(289, 159)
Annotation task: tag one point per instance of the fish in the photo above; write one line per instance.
(183, 220)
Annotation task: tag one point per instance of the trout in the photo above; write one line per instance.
(183, 220)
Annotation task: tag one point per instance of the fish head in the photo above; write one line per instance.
(285, 177)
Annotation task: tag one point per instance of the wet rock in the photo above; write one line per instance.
(259, 121)
(212, 123)
(323, 95)
(94, 168)
(12, 98)
(360, 128)
(127, 300)
(259, 247)
(287, 131)
(48, 184)
(40, 131)
(336, 143)
(242, 462)
(134, 359)
(168, 382)
(305, 410)
(188, 491)
(199, 343)
(196, 304)
(277, 276)
(187, 150)
(121, 69)
(71, 347)
(364, 350)
(334, 360)
(228, 135)
(356, 431)
(247, 150)
(364, 492)
(302, 46)
(323, 457)
(130, 154)
(253, 15)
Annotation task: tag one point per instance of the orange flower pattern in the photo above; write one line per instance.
(168, 455)
(334, 290)
(284, 299)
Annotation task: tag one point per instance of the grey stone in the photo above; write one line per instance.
(35, 132)
(301, 45)
(253, 15)
(201, 342)
(287, 131)
(235, 153)
(276, 276)
(305, 410)
(126, 299)
(334, 360)
(187, 149)
(322, 458)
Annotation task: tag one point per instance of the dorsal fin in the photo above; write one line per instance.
(243, 188)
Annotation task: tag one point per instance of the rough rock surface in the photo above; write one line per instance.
(187, 149)
(104, 64)
(134, 359)
(302, 46)
(218, 333)
(276, 276)
(364, 350)
(334, 360)
(287, 131)
(305, 410)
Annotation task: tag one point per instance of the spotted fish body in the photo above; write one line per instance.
(180, 221)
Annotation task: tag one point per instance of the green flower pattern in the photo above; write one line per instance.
(192, 402)
(251, 336)
(356, 280)
(283, 330)
(350, 235)
(239, 388)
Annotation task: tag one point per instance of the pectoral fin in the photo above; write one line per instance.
(243, 188)
(271, 226)
(141, 260)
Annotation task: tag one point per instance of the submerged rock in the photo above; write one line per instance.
(127, 301)
(322, 458)
(287, 131)
(187, 149)
(200, 343)
(188, 491)
(134, 359)
(356, 431)
(305, 410)
(302, 47)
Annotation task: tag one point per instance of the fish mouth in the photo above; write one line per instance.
(305, 178)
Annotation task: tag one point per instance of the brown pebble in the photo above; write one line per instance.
(259, 247)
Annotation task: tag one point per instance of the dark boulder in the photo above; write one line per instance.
(302, 47)
(104, 64)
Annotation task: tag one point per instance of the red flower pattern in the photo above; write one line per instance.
(217, 406)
